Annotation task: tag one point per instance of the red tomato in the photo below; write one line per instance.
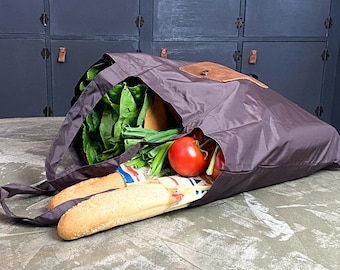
(186, 158)
(219, 164)
(207, 144)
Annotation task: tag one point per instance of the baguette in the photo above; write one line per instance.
(113, 208)
(88, 187)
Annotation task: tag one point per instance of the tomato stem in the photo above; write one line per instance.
(200, 146)
(205, 142)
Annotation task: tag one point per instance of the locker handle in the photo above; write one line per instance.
(164, 53)
(62, 55)
(253, 57)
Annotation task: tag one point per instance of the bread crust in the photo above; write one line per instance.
(113, 208)
(88, 187)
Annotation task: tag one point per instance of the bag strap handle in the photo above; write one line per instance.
(49, 218)
(65, 136)
(70, 127)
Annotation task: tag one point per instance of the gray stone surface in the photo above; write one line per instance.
(294, 225)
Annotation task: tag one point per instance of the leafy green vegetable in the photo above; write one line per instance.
(116, 124)
(157, 163)
(115, 93)
(82, 86)
(128, 143)
(138, 92)
(93, 121)
(153, 155)
(148, 101)
(122, 106)
(91, 147)
(95, 69)
(116, 150)
(128, 112)
(138, 132)
(108, 120)
(106, 99)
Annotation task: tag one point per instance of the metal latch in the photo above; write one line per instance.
(318, 111)
(44, 19)
(328, 22)
(239, 22)
(325, 55)
(205, 72)
(237, 56)
(139, 21)
(45, 53)
(48, 111)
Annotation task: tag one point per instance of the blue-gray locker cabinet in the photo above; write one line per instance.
(196, 30)
(23, 90)
(288, 18)
(335, 120)
(294, 69)
(87, 29)
(80, 55)
(21, 17)
(289, 38)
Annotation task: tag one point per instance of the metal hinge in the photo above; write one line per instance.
(139, 21)
(239, 22)
(237, 55)
(328, 22)
(318, 111)
(325, 55)
(48, 111)
(45, 53)
(44, 19)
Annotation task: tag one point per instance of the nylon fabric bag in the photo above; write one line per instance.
(265, 138)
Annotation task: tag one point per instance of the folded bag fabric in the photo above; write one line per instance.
(265, 138)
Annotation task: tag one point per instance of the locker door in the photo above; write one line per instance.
(286, 18)
(196, 30)
(87, 18)
(23, 89)
(21, 16)
(80, 55)
(335, 119)
(193, 19)
(87, 29)
(294, 69)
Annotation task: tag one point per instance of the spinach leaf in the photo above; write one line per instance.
(148, 101)
(108, 101)
(108, 120)
(114, 151)
(128, 113)
(83, 85)
(91, 147)
(122, 106)
(93, 71)
(115, 93)
(93, 121)
(138, 92)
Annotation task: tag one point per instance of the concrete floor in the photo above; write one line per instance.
(294, 225)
